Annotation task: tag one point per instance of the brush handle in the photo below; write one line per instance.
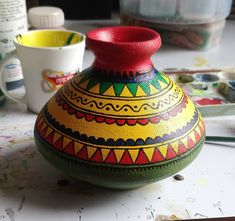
(220, 139)
(211, 219)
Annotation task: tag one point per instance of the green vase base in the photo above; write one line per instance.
(116, 177)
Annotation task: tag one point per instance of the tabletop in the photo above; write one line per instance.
(31, 189)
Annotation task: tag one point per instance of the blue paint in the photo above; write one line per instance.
(206, 77)
(232, 84)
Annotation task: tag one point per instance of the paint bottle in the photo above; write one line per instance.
(13, 21)
(46, 17)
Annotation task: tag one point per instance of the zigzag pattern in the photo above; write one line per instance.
(111, 120)
(143, 85)
(92, 102)
(84, 101)
(136, 155)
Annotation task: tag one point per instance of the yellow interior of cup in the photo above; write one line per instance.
(48, 38)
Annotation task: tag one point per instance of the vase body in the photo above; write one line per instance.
(121, 123)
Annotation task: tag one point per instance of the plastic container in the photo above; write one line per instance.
(194, 36)
(46, 17)
(184, 23)
(177, 11)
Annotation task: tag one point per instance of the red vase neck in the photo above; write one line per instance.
(123, 48)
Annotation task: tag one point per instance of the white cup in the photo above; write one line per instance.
(49, 58)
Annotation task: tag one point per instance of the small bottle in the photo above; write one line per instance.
(46, 17)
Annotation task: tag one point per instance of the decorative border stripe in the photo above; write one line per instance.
(118, 77)
(115, 155)
(80, 114)
(50, 121)
(86, 82)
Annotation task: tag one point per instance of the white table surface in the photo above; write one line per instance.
(31, 189)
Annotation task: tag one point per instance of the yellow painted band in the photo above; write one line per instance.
(125, 132)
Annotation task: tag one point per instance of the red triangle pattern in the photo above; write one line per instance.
(97, 157)
(190, 143)
(43, 133)
(170, 152)
(111, 158)
(126, 158)
(182, 148)
(197, 136)
(157, 156)
(49, 138)
(59, 144)
(82, 154)
(69, 149)
(201, 130)
(142, 158)
(40, 125)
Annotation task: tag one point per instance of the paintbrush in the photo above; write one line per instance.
(192, 71)
(219, 139)
(210, 219)
(69, 39)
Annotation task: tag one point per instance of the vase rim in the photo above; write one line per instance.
(130, 35)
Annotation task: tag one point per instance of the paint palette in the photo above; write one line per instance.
(212, 91)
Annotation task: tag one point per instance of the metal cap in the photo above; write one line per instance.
(45, 17)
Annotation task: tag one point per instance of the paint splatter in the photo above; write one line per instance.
(11, 214)
(187, 213)
(164, 217)
(200, 215)
(21, 203)
(202, 181)
(200, 62)
(218, 205)
(79, 212)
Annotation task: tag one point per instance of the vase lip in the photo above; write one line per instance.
(123, 35)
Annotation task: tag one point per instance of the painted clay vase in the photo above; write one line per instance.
(121, 123)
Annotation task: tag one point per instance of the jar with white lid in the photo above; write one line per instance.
(46, 17)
